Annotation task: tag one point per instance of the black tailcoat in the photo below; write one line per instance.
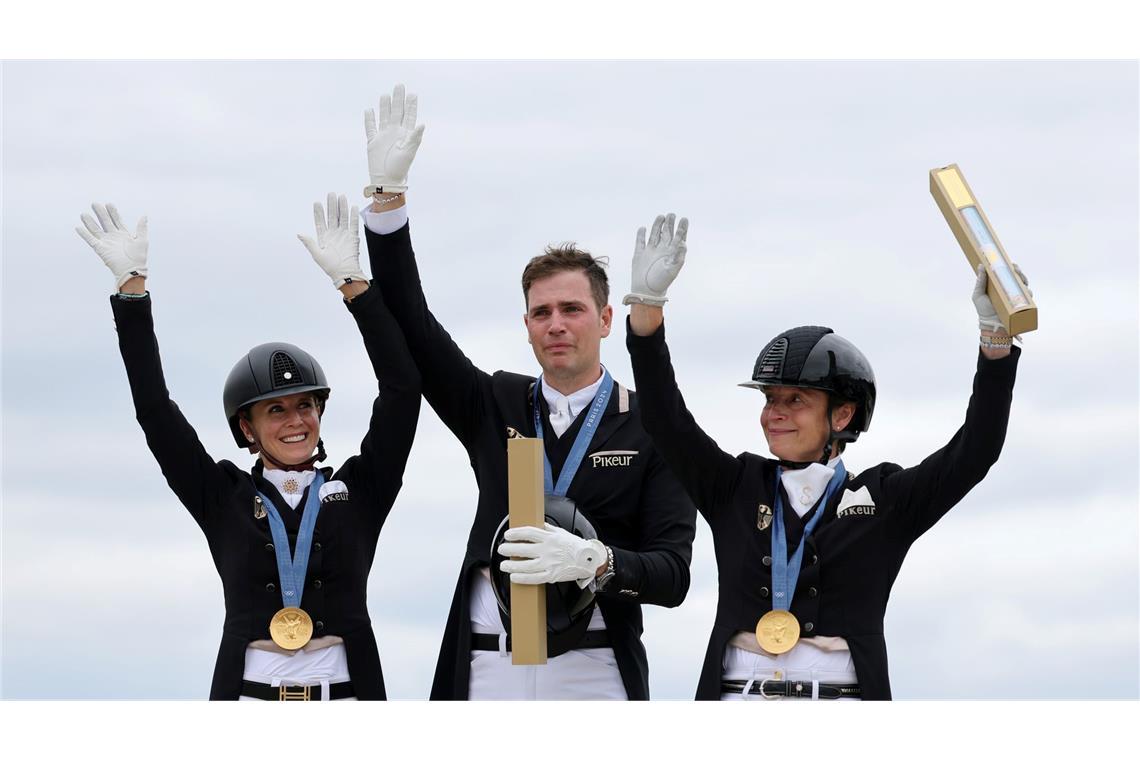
(850, 560)
(220, 498)
(634, 502)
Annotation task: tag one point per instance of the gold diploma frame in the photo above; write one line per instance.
(527, 507)
(1011, 299)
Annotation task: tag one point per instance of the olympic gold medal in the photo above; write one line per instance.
(291, 628)
(777, 632)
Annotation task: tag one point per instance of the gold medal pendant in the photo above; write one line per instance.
(291, 628)
(777, 632)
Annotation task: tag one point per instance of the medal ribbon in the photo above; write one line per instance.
(785, 572)
(581, 443)
(292, 570)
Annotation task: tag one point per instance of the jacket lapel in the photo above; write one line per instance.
(616, 415)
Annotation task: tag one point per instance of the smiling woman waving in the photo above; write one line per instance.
(292, 542)
(806, 551)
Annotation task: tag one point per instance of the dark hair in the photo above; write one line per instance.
(567, 257)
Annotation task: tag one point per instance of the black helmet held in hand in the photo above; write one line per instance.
(568, 607)
(270, 370)
(815, 357)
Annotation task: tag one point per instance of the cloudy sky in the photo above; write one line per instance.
(806, 186)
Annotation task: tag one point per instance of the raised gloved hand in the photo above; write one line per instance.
(123, 252)
(392, 144)
(657, 262)
(550, 555)
(987, 314)
(337, 247)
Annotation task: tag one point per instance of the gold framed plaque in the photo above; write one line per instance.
(291, 628)
(777, 631)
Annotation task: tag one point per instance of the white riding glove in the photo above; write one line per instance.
(987, 314)
(123, 252)
(656, 264)
(337, 247)
(393, 143)
(550, 555)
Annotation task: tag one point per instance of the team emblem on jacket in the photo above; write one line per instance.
(856, 503)
(763, 517)
(612, 458)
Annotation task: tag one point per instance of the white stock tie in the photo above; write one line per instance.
(560, 416)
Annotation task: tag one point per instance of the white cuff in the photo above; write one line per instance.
(384, 222)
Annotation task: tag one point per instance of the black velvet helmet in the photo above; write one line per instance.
(270, 370)
(815, 357)
(568, 607)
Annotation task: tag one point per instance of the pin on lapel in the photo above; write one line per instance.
(763, 517)
(258, 508)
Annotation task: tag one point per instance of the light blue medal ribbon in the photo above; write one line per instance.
(292, 570)
(581, 443)
(786, 572)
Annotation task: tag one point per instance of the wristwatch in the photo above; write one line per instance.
(608, 575)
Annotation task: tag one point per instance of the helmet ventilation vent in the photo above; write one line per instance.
(771, 364)
(284, 370)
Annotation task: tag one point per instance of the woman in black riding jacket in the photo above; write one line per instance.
(292, 542)
(806, 551)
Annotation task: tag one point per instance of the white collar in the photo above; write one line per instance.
(578, 400)
(292, 494)
(805, 486)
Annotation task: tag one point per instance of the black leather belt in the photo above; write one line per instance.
(794, 689)
(284, 693)
(489, 642)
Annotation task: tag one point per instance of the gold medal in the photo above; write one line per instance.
(777, 632)
(291, 628)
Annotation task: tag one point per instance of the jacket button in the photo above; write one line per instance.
(270, 587)
(813, 592)
(764, 592)
(767, 561)
(809, 627)
(317, 546)
(269, 547)
(815, 559)
(319, 625)
(317, 583)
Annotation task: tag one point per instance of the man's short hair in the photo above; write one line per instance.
(567, 257)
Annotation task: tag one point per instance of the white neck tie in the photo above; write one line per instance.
(560, 416)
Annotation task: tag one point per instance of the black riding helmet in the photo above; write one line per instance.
(568, 607)
(270, 370)
(815, 357)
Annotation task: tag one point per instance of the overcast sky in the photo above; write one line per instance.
(806, 187)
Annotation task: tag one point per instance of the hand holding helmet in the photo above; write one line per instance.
(122, 251)
(657, 262)
(337, 247)
(550, 555)
(392, 142)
